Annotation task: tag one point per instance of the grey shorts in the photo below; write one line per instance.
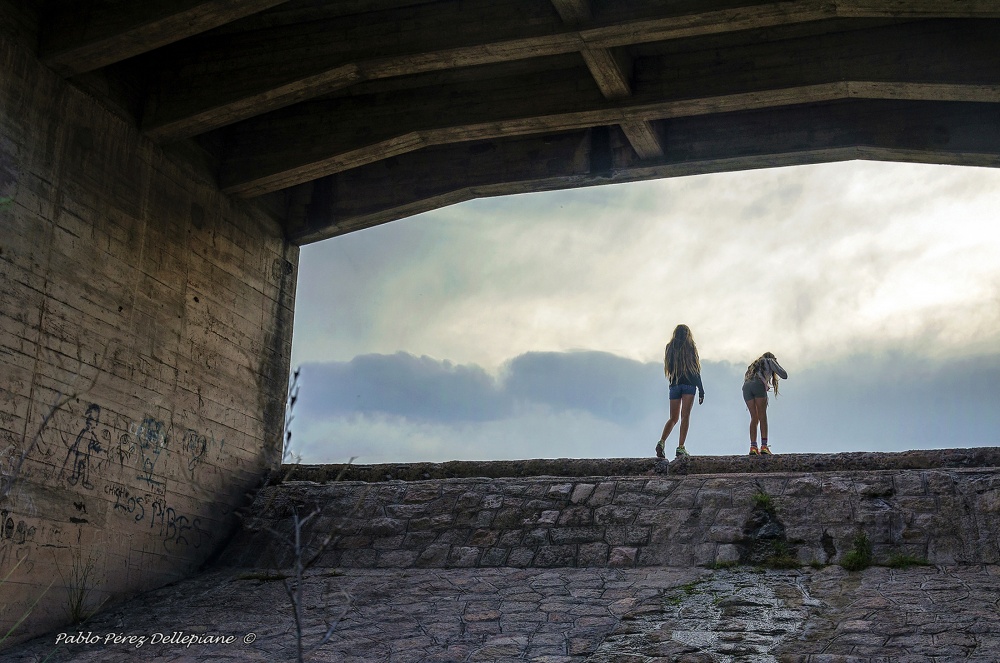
(754, 389)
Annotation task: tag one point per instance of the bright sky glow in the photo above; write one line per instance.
(818, 264)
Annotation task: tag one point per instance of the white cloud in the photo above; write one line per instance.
(810, 262)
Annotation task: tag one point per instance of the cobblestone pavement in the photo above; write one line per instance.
(569, 615)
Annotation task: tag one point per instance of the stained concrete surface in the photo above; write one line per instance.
(566, 615)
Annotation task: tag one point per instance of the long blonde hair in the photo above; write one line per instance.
(681, 354)
(755, 367)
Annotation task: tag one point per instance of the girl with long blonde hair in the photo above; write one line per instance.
(761, 375)
(682, 367)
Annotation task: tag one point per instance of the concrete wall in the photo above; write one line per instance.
(158, 313)
(943, 516)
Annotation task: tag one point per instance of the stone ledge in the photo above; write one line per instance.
(615, 467)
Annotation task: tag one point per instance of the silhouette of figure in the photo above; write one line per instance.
(86, 443)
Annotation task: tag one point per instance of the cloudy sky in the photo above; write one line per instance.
(533, 326)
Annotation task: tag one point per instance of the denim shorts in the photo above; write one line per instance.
(677, 390)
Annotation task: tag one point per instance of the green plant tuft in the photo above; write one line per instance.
(899, 560)
(781, 557)
(763, 501)
(859, 557)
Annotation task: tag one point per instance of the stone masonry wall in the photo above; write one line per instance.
(158, 313)
(942, 516)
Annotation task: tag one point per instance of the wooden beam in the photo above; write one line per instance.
(226, 80)
(944, 61)
(85, 35)
(925, 132)
(644, 138)
(573, 12)
(612, 72)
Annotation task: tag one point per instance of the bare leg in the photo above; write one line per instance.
(675, 409)
(762, 416)
(687, 400)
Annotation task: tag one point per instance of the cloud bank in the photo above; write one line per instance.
(404, 408)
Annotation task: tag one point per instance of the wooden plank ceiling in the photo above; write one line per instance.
(339, 115)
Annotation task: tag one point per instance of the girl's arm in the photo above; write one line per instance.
(776, 367)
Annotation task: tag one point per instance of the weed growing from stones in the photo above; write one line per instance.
(859, 557)
(763, 501)
(898, 560)
(78, 588)
(782, 557)
(303, 555)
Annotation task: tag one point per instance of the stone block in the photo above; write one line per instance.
(396, 559)
(614, 514)
(362, 558)
(560, 491)
(581, 492)
(555, 556)
(562, 535)
(714, 498)
(422, 492)
(492, 501)
(909, 483)
(521, 557)
(803, 487)
(484, 537)
(727, 553)
(418, 540)
(494, 557)
(660, 486)
(385, 527)
(434, 556)
(593, 554)
(463, 556)
(548, 518)
(454, 536)
(536, 538)
(388, 542)
(576, 515)
(510, 538)
(603, 494)
(704, 554)
(622, 557)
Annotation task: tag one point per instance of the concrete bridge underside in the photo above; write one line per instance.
(336, 116)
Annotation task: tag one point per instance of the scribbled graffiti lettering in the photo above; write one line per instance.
(126, 502)
(19, 533)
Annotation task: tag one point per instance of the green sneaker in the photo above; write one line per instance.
(753, 450)
(659, 450)
(764, 451)
(682, 452)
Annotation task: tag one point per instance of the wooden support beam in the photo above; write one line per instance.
(644, 138)
(925, 132)
(573, 12)
(611, 71)
(204, 86)
(944, 61)
(85, 35)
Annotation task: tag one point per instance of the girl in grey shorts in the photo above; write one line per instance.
(761, 375)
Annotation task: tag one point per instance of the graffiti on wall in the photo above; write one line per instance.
(128, 458)
(171, 527)
(84, 451)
